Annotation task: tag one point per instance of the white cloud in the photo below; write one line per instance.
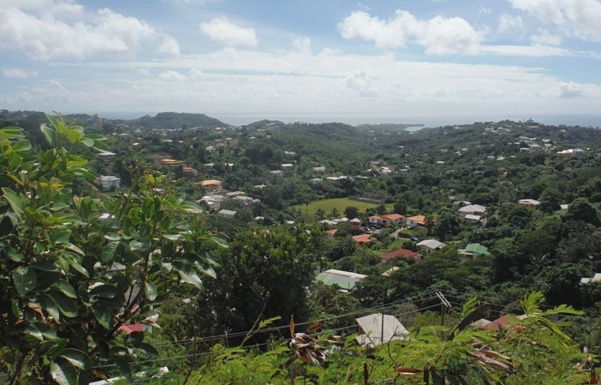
(524, 50)
(228, 33)
(172, 76)
(196, 73)
(169, 46)
(439, 35)
(445, 36)
(34, 27)
(546, 38)
(359, 81)
(570, 90)
(581, 17)
(386, 34)
(302, 44)
(509, 22)
(18, 73)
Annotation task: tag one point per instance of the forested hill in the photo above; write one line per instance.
(171, 120)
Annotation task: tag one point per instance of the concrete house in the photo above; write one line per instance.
(430, 245)
(531, 204)
(375, 329)
(109, 182)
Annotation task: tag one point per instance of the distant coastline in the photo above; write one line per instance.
(413, 121)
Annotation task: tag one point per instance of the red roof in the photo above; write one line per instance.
(402, 252)
(365, 238)
(393, 217)
(131, 328)
(497, 324)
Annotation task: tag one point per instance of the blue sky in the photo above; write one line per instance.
(302, 57)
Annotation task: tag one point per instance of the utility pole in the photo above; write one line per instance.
(444, 305)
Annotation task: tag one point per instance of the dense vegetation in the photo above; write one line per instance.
(63, 266)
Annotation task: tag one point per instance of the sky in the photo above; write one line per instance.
(299, 58)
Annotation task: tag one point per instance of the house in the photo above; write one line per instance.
(375, 329)
(344, 279)
(430, 246)
(404, 253)
(315, 180)
(390, 271)
(531, 204)
(213, 201)
(474, 250)
(189, 172)
(376, 221)
(596, 278)
(563, 208)
(393, 218)
(330, 235)
(211, 186)
(246, 201)
(279, 173)
(227, 213)
(234, 194)
(106, 157)
(416, 220)
(109, 182)
(172, 163)
(355, 224)
(286, 166)
(319, 170)
(472, 214)
(364, 239)
(135, 328)
(384, 220)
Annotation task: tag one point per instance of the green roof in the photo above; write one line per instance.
(476, 248)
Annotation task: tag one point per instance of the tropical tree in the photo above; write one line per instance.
(71, 277)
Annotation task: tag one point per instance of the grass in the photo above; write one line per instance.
(339, 203)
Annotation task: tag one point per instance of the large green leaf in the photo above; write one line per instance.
(66, 289)
(15, 201)
(109, 251)
(150, 290)
(22, 145)
(148, 349)
(103, 315)
(105, 291)
(192, 207)
(187, 274)
(11, 132)
(77, 358)
(63, 372)
(219, 241)
(51, 135)
(52, 308)
(65, 304)
(24, 278)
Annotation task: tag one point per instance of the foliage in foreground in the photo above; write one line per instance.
(70, 278)
(529, 349)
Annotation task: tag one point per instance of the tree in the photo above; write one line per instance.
(582, 210)
(447, 225)
(351, 212)
(264, 274)
(400, 207)
(69, 280)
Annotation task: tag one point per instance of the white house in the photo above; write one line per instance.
(319, 170)
(430, 245)
(375, 329)
(472, 214)
(109, 182)
(227, 213)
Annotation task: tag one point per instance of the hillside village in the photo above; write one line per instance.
(330, 221)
